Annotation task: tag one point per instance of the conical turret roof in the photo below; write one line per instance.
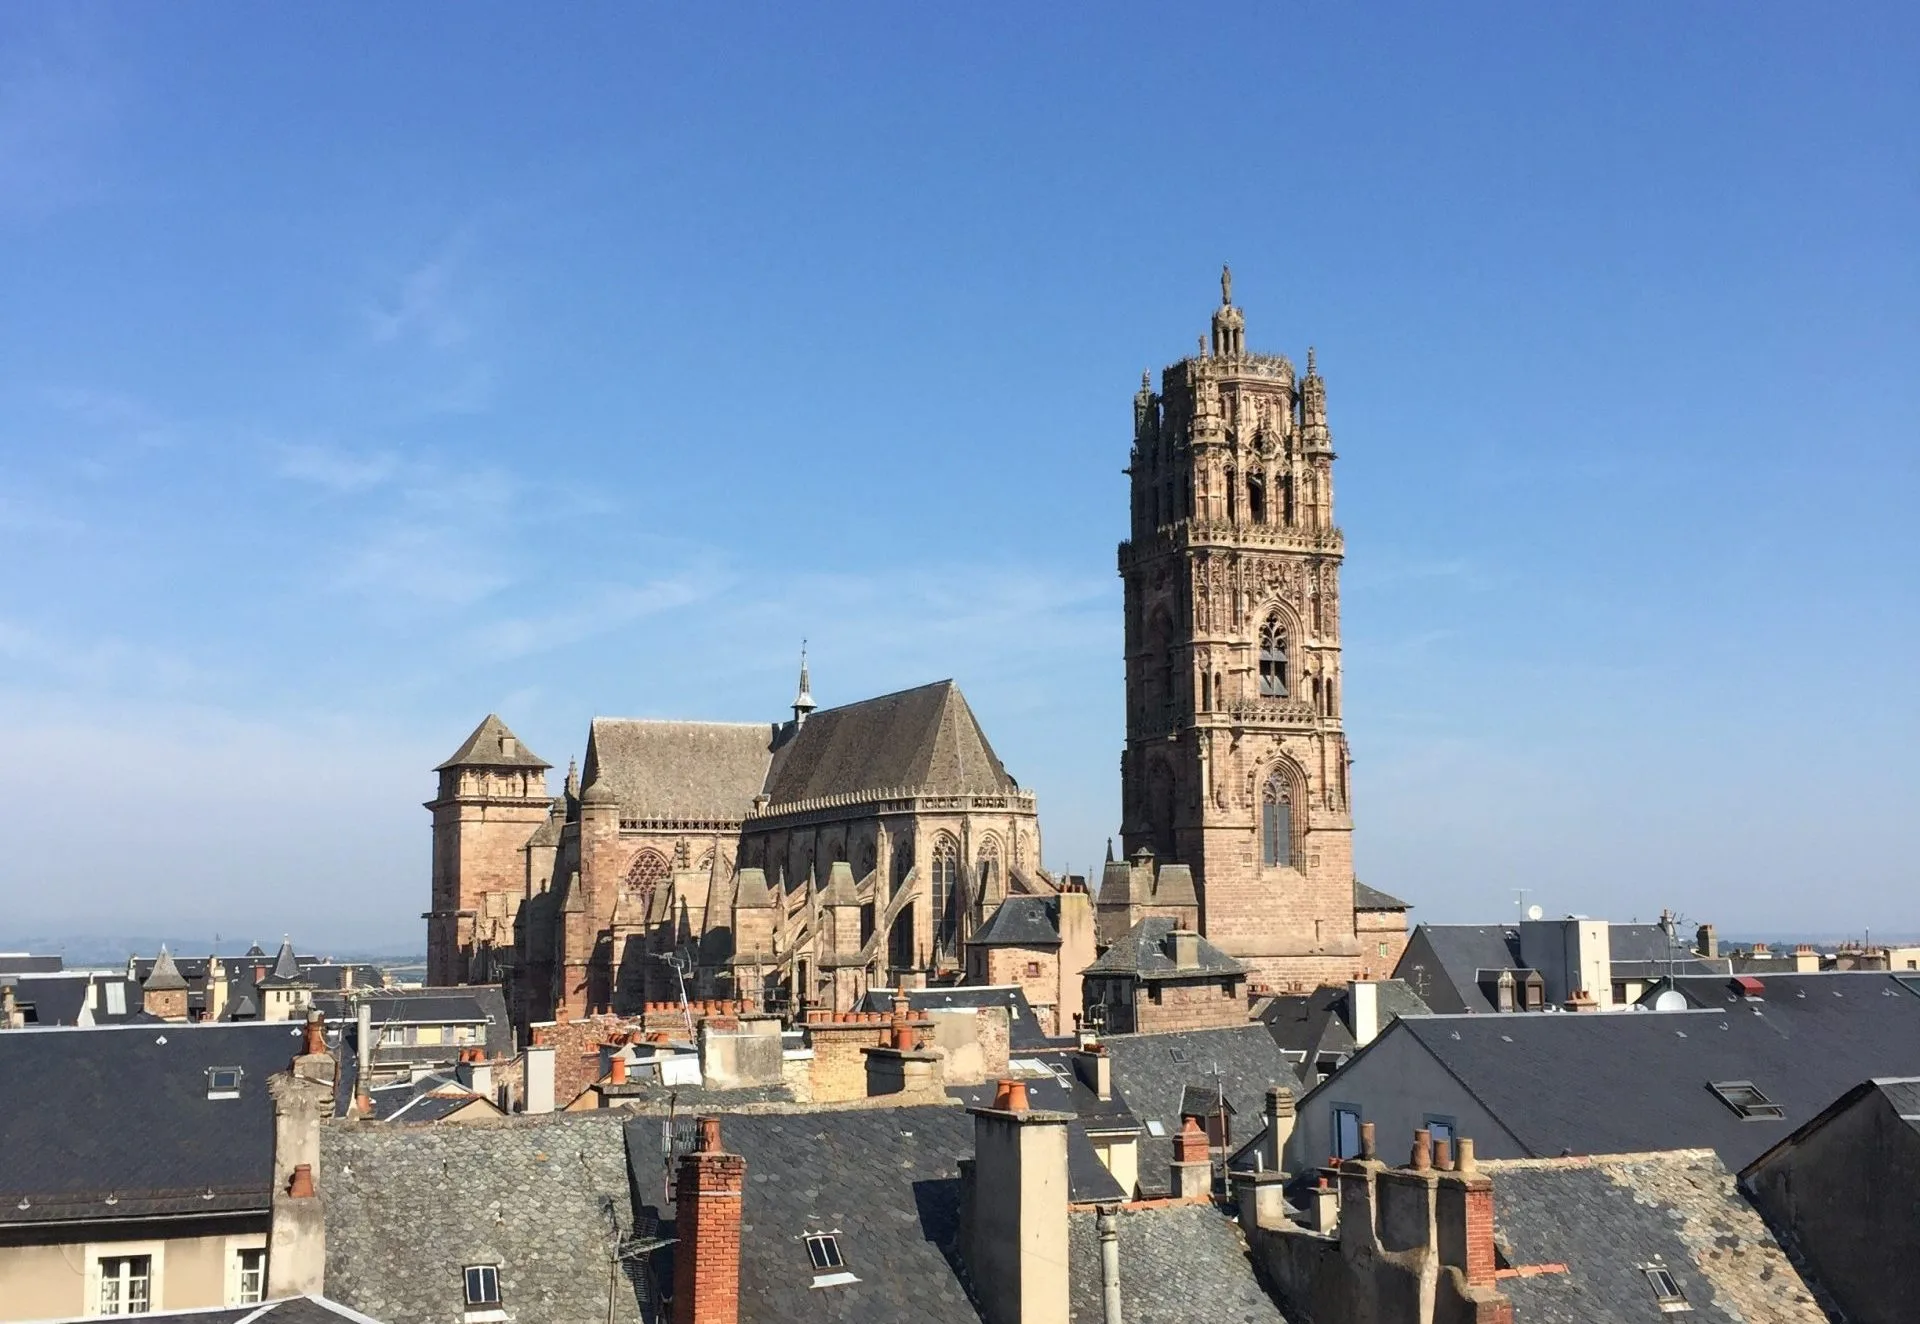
(165, 975)
(492, 745)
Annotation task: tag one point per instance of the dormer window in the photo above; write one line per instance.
(823, 1248)
(1666, 1291)
(830, 1268)
(224, 1082)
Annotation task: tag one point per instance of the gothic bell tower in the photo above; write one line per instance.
(1236, 764)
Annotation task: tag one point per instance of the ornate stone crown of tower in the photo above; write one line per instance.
(1236, 764)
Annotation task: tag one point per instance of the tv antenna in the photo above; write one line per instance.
(681, 962)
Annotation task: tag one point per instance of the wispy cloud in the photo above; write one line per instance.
(335, 469)
(600, 611)
(421, 564)
(427, 305)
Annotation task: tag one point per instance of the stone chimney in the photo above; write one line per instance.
(1806, 960)
(1581, 1000)
(706, 1254)
(1363, 1003)
(165, 992)
(1095, 1069)
(1183, 948)
(302, 1095)
(1016, 1231)
(1192, 1163)
(475, 1072)
(539, 1078)
(1706, 941)
(1279, 1126)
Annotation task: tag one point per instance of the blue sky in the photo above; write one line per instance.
(363, 371)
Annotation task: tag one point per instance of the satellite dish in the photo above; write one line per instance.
(1671, 999)
(1534, 912)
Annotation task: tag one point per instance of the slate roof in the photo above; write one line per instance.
(1021, 921)
(1372, 898)
(123, 1111)
(61, 998)
(1184, 1264)
(25, 963)
(679, 771)
(925, 740)
(1141, 953)
(1023, 1031)
(165, 976)
(1154, 1071)
(428, 1099)
(884, 1180)
(1461, 952)
(485, 749)
(1607, 1218)
(546, 1198)
(286, 968)
(481, 1005)
(333, 975)
(1628, 1082)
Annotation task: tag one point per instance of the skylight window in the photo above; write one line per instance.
(483, 1285)
(223, 1082)
(823, 1248)
(1156, 1128)
(1745, 1098)
(1666, 1291)
(1179, 1055)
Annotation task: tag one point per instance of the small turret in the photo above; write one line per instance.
(1313, 408)
(803, 701)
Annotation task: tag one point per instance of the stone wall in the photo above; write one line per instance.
(1195, 1005)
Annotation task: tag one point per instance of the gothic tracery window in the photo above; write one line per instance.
(1256, 498)
(1273, 659)
(648, 870)
(1276, 820)
(946, 880)
(988, 867)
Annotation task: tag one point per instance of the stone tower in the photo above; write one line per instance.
(493, 794)
(1236, 764)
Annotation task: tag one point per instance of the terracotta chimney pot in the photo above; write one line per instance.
(617, 1071)
(1367, 1151)
(316, 1035)
(300, 1187)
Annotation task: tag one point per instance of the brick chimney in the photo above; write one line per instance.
(1806, 960)
(302, 1095)
(1706, 941)
(1015, 1235)
(1463, 1213)
(1192, 1163)
(706, 1256)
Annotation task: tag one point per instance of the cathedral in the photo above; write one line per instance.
(791, 863)
(799, 862)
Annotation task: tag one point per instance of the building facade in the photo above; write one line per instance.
(793, 863)
(1236, 764)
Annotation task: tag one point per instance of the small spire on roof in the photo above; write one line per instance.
(803, 701)
(165, 974)
(573, 778)
(1311, 370)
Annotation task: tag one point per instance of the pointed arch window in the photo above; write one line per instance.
(988, 868)
(1256, 498)
(1273, 660)
(946, 892)
(1276, 820)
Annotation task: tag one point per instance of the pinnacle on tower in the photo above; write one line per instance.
(803, 701)
(1229, 326)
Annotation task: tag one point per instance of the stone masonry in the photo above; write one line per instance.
(1236, 764)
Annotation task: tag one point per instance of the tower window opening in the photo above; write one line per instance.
(1256, 499)
(1273, 660)
(1233, 499)
(1276, 822)
(1206, 693)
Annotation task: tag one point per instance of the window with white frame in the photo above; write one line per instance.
(250, 1276)
(483, 1285)
(126, 1285)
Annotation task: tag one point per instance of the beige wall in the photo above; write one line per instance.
(53, 1281)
